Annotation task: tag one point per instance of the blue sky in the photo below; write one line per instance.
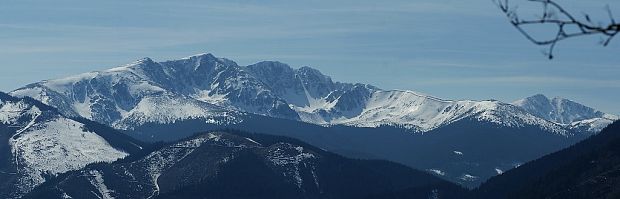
(452, 49)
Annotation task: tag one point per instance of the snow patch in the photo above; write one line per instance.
(290, 158)
(96, 179)
(468, 177)
(437, 172)
(251, 140)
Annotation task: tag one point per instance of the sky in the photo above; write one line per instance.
(452, 49)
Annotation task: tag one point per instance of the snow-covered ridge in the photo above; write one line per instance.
(424, 113)
(206, 87)
(12, 113)
(566, 113)
(169, 109)
(45, 143)
(58, 146)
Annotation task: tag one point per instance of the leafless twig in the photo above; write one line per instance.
(555, 15)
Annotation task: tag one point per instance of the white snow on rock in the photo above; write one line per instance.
(437, 172)
(280, 157)
(96, 179)
(469, 177)
(11, 112)
(290, 158)
(594, 124)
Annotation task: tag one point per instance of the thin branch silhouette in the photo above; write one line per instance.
(555, 15)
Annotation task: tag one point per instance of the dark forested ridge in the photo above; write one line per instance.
(589, 169)
(484, 146)
(244, 161)
(242, 165)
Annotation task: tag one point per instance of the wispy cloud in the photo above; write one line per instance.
(527, 80)
(72, 38)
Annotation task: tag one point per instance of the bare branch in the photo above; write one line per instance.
(561, 20)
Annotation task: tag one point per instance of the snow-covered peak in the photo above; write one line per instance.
(205, 58)
(200, 55)
(559, 110)
(313, 76)
(278, 76)
(566, 112)
(274, 67)
(309, 71)
(144, 60)
(537, 98)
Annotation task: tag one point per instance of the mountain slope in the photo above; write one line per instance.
(216, 89)
(127, 93)
(219, 164)
(38, 142)
(566, 112)
(588, 169)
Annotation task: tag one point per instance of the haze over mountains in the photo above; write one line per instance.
(463, 141)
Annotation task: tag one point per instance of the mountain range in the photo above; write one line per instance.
(464, 141)
(204, 86)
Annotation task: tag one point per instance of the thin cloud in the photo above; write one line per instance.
(527, 80)
(86, 38)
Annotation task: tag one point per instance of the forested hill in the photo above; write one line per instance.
(589, 169)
